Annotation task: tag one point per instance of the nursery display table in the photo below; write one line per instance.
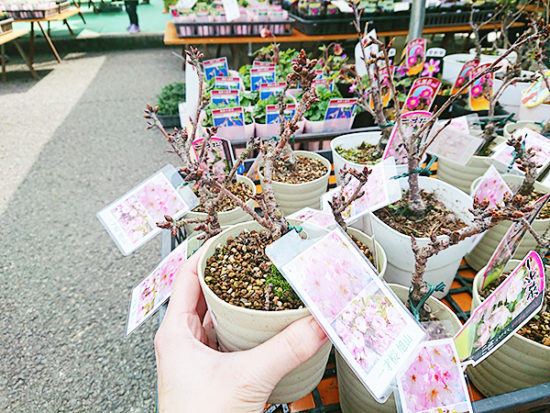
(63, 16)
(12, 37)
(171, 37)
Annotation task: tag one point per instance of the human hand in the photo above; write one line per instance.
(194, 377)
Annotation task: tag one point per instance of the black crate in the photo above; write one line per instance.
(233, 29)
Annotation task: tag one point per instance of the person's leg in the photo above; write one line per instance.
(131, 9)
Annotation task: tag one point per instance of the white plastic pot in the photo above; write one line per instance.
(348, 141)
(293, 197)
(354, 398)
(511, 97)
(517, 364)
(462, 176)
(266, 131)
(510, 127)
(441, 267)
(240, 328)
(541, 112)
(481, 254)
(231, 217)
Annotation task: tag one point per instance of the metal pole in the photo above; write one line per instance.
(418, 13)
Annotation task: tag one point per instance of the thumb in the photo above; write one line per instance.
(288, 349)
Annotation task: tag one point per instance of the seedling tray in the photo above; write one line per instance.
(6, 25)
(233, 29)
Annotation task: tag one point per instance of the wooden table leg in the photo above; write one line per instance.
(68, 27)
(184, 58)
(3, 51)
(29, 65)
(77, 5)
(31, 45)
(49, 42)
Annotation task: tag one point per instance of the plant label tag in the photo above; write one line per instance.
(317, 83)
(183, 114)
(268, 89)
(436, 52)
(434, 381)
(156, 288)
(217, 153)
(191, 87)
(509, 244)
(464, 76)
(504, 154)
(422, 94)
(132, 219)
(366, 322)
(504, 312)
(228, 117)
(227, 82)
(319, 74)
(491, 188)
(453, 144)
(272, 114)
(416, 56)
(410, 123)
(379, 191)
(482, 89)
(257, 63)
(340, 109)
(384, 85)
(315, 217)
(342, 5)
(397, 7)
(224, 97)
(537, 92)
(232, 11)
(215, 68)
(261, 75)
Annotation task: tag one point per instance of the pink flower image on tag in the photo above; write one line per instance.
(375, 194)
(331, 281)
(434, 382)
(368, 326)
(159, 198)
(492, 187)
(313, 216)
(132, 218)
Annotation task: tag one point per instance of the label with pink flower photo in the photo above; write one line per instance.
(509, 244)
(131, 220)
(384, 84)
(492, 187)
(314, 216)
(452, 144)
(482, 89)
(218, 154)
(504, 154)
(366, 322)
(464, 76)
(505, 311)
(416, 56)
(434, 62)
(422, 94)
(379, 191)
(410, 123)
(156, 288)
(434, 382)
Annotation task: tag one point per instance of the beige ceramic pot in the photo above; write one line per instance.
(462, 176)
(510, 127)
(240, 328)
(231, 217)
(517, 364)
(354, 398)
(481, 254)
(293, 197)
(380, 256)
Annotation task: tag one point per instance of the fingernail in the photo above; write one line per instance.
(317, 328)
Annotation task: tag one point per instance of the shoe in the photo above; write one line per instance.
(134, 28)
(129, 27)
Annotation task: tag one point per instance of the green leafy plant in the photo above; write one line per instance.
(318, 110)
(169, 98)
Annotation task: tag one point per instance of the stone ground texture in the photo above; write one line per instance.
(67, 150)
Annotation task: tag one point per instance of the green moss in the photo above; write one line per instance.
(281, 287)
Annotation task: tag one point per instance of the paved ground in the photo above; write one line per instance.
(65, 152)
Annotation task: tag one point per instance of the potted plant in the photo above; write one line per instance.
(527, 186)
(167, 101)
